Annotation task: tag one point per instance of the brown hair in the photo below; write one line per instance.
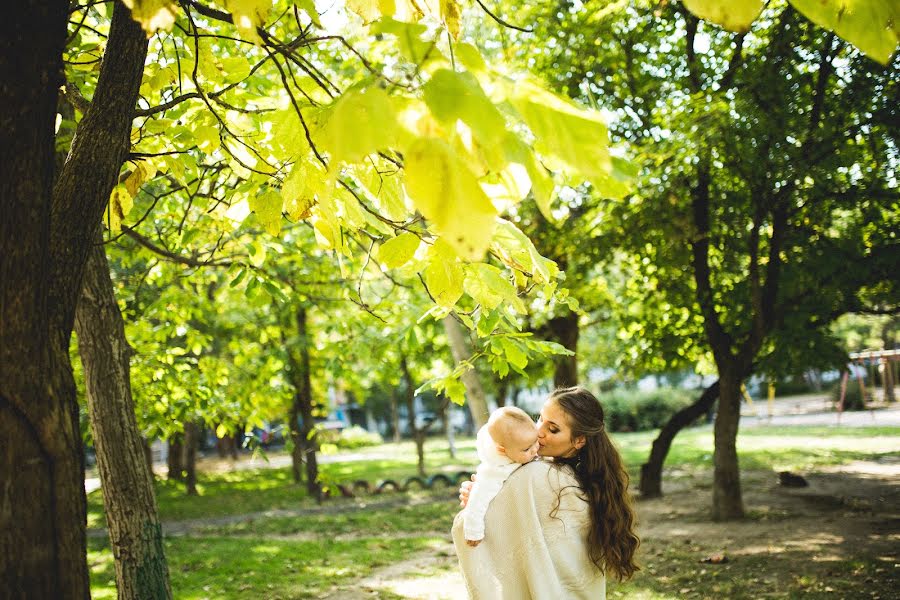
(612, 542)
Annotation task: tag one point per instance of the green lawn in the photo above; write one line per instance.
(305, 556)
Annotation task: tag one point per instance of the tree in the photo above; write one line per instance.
(749, 151)
(323, 163)
(46, 237)
(127, 482)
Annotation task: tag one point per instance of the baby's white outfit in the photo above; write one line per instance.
(493, 469)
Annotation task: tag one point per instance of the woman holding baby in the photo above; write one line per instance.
(558, 526)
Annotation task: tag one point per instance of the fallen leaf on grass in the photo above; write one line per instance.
(715, 559)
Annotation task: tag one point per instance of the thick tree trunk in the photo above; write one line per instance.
(651, 471)
(727, 502)
(134, 530)
(42, 504)
(564, 330)
(475, 397)
(302, 424)
(175, 458)
(189, 460)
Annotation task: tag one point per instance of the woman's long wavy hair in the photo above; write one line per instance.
(612, 542)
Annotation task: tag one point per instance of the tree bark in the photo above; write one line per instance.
(475, 397)
(42, 504)
(302, 426)
(418, 434)
(175, 458)
(189, 460)
(135, 534)
(651, 471)
(727, 501)
(395, 415)
(564, 330)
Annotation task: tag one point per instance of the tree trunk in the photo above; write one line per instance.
(418, 434)
(297, 441)
(888, 378)
(448, 430)
(148, 455)
(395, 415)
(127, 483)
(502, 390)
(302, 426)
(42, 505)
(727, 502)
(564, 330)
(175, 458)
(475, 397)
(651, 471)
(189, 460)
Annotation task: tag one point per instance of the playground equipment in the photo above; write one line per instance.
(873, 362)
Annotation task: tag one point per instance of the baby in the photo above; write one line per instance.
(507, 441)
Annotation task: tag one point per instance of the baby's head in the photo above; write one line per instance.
(514, 433)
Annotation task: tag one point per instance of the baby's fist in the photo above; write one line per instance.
(473, 543)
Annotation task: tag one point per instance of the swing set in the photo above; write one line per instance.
(873, 362)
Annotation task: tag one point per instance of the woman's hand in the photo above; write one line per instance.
(465, 488)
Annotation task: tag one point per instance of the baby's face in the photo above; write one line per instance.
(523, 447)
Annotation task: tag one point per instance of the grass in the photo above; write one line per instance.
(307, 556)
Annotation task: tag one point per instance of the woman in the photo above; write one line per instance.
(560, 525)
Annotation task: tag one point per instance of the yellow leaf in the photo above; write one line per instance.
(120, 204)
(450, 13)
(398, 251)
(248, 15)
(444, 189)
(733, 15)
(142, 172)
(371, 10)
(152, 14)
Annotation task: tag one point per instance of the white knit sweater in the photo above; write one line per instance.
(535, 543)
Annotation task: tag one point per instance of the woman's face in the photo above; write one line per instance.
(554, 433)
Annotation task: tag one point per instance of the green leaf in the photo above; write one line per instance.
(309, 7)
(409, 39)
(267, 207)
(451, 96)
(398, 251)
(514, 353)
(361, 122)
(469, 57)
(873, 26)
(574, 136)
(733, 15)
(443, 274)
(487, 322)
(488, 286)
(447, 193)
(518, 252)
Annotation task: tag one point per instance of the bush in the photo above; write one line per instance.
(627, 410)
(852, 398)
(349, 438)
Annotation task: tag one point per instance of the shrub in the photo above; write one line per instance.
(853, 400)
(633, 410)
(349, 438)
